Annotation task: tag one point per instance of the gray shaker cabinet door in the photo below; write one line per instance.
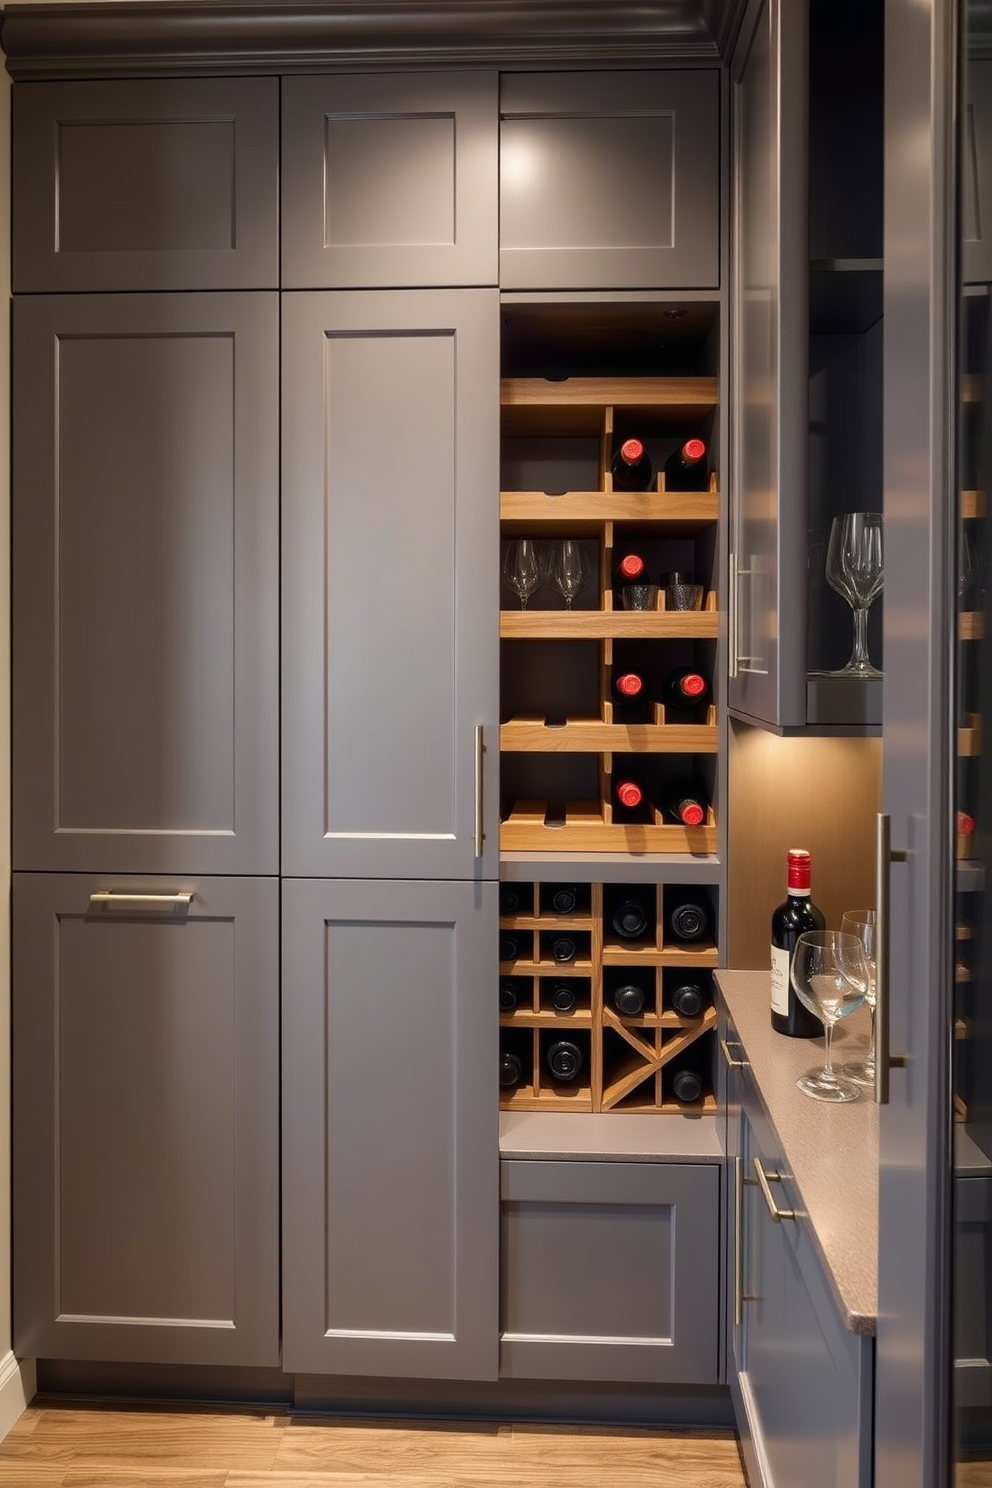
(610, 180)
(390, 181)
(146, 1120)
(390, 584)
(145, 588)
(158, 184)
(976, 176)
(390, 1129)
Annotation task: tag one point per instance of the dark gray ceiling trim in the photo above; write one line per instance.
(84, 40)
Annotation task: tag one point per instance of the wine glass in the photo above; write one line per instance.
(861, 922)
(830, 976)
(854, 569)
(523, 568)
(569, 568)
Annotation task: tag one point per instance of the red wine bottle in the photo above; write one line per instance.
(795, 914)
(631, 919)
(686, 1085)
(510, 946)
(564, 898)
(564, 948)
(563, 998)
(688, 920)
(684, 802)
(565, 1060)
(685, 468)
(510, 1070)
(630, 687)
(508, 996)
(684, 688)
(688, 1000)
(629, 999)
(509, 899)
(631, 467)
(629, 790)
(631, 570)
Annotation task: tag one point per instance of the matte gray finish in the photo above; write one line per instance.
(976, 175)
(609, 180)
(769, 374)
(390, 1131)
(158, 184)
(913, 1363)
(146, 1119)
(609, 1271)
(389, 180)
(145, 583)
(972, 1302)
(390, 535)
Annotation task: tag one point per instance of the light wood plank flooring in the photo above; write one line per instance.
(77, 1446)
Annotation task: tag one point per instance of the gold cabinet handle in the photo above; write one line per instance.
(738, 1238)
(110, 899)
(885, 855)
(764, 1179)
(729, 1059)
(480, 822)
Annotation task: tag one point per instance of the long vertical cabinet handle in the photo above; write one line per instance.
(884, 857)
(738, 1242)
(732, 614)
(480, 822)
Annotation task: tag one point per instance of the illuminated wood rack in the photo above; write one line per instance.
(586, 406)
(625, 1059)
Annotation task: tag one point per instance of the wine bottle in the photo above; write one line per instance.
(629, 999)
(563, 998)
(686, 1084)
(511, 1070)
(684, 801)
(688, 920)
(684, 689)
(796, 913)
(688, 1000)
(564, 948)
(631, 467)
(631, 570)
(510, 946)
(507, 996)
(509, 899)
(565, 1060)
(685, 468)
(629, 790)
(630, 687)
(630, 919)
(564, 898)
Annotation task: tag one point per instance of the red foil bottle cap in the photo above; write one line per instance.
(799, 868)
(693, 449)
(631, 450)
(966, 823)
(629, 793)
(632, 567)
(691, 813)
(630, 684)
(693, 684)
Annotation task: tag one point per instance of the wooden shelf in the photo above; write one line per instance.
(526, 1098)
(603, 625)
(527, 1018)
(970, 737)
(696, 1026)
(972, 504)
(682, 510)
(669, 955)
(530, 968)
(534, 735)
(584, 828)
(577, 405)
(971, 625)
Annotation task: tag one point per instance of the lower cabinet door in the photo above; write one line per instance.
(146, 1119)
(390, 1128)
(610, 1271)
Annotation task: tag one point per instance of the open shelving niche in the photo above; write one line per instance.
(559, 726)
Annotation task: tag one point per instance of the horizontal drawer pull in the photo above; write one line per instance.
(109, 899)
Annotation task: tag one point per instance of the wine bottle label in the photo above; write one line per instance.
(780, 981)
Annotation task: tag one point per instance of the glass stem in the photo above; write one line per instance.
(859, 656)
(870, 1061)
(523, 601)
(827, 1073)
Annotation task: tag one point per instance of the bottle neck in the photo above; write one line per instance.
(795, 893)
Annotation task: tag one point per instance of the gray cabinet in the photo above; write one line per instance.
(976, 174)
(610, 180)
(389, 180)
(146, 1119)
(390, 1129)
(609, 1271)
(151, 184)
(145, 583)
(390, 548)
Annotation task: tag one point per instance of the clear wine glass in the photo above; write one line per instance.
(854, 569)
(523, 568)
(861, 922)
(569, 568)
(830, 976)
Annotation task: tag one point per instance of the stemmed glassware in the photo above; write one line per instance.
(854, 569)
(861, 922)
(523, 568)
(569, 568)
(830, 976)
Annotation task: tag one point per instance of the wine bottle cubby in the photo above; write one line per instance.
(621, 1014)
(562, 730)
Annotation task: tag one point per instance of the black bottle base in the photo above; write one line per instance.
(798, 1029)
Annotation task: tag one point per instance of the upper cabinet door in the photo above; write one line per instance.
(167, 184)
(390, 584)
(976, 174)
(610, 180)
(145, 588)
(389, 181)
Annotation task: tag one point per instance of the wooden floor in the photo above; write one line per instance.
(73, 1446)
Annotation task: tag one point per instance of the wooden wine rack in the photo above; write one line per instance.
(625, 1058)
(586, 406)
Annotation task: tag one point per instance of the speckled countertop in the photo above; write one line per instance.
(830, 1152)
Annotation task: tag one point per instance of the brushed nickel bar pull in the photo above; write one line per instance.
(732, 614)
(110, 899)
(480, 824)
(738, 1242)
(729, 1059)
(884, 857)
(763, 1183)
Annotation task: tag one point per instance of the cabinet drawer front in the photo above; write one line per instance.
(145, 590)
(610, 1271)
(389, 181)
(159, 184)
(146, 1118)
(609, 180)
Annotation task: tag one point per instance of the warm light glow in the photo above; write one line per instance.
(518, 163)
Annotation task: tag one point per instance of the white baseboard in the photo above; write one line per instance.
(17, 1389)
